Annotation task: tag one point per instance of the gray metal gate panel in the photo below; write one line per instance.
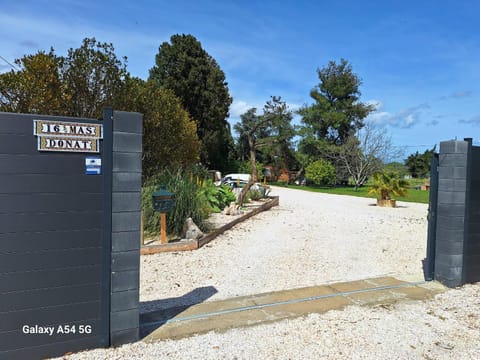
(471, 271)
(53, 247)
(429, 267)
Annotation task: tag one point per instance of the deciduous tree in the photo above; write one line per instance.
(80, 84)
(365, 153)
(93, 77)
(169, 133)
(35, 88)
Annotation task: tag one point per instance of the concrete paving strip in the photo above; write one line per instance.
(269, 307)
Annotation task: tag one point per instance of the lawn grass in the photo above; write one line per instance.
(413, 195)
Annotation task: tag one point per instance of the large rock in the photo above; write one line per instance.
(191, 231)
(233, 209)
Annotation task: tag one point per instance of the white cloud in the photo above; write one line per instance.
(403, 119)
(294, 107)
(376, 103)
(379, 116)
(240, 107)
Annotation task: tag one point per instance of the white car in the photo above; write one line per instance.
(239, 180)
(236, 180)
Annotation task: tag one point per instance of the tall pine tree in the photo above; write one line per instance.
(184, 67)
(337, 112)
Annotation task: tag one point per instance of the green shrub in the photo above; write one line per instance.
(218, 197)
(321, 172)
(188, 202)
(255, 194)
(226, 195)
(260, 193)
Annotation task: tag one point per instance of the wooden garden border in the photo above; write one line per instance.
(196, 244)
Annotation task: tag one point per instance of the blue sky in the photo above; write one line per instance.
(419, 61)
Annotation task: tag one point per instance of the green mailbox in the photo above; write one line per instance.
(163, 200)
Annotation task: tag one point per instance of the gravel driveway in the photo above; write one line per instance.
(310, 239)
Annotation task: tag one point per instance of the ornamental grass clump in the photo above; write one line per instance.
(188, 202)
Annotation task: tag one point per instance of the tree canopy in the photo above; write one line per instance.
(35, 88)
(276, 137)
(195, 77)
(81, 84)
(419, 164)
(336, 112)
(93, 78)
(330, 124)
(281, 151)
(185, 104)
(271, 129)
(169, 133)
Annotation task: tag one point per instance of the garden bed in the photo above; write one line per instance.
(219, 223)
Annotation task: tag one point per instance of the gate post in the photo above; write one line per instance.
(126, 219)
(429, 266)
(452, 211)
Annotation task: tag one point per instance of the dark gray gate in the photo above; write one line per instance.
(55, 245)
(454, 222)
(471, 269)
(432, 220)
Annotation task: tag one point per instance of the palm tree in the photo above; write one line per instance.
(386, 183)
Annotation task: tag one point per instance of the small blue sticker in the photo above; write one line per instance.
(93, 165)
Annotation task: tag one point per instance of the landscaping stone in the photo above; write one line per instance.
(233, 209)
(191, 231)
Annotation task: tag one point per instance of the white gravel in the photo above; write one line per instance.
(446, 327)
(311, 239)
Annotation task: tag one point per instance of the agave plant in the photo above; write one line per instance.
(388, 183)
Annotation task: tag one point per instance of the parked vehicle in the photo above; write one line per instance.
(301, 181)
(236, 180)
